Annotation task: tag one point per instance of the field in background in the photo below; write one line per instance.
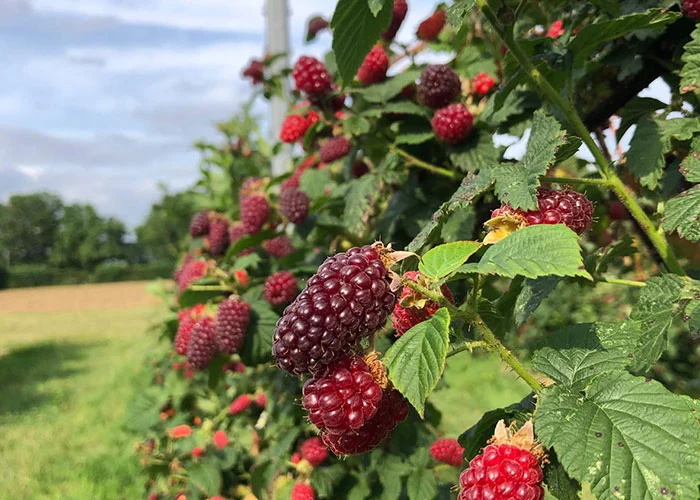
(70, 359)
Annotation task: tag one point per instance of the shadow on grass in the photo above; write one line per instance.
(23, 370)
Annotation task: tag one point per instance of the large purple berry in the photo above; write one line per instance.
(439, 86)
(334, 149)
(232, 319)
(200, 224)
(218, 236)
(254, 213)
(294, 205)
(342, 397)
(203, 346)
(347, 299)
(279, 246)
(280, 288)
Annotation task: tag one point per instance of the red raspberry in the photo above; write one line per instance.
(342, 397)
(280, 288)
(314, 451)
(296, 458)
(302, 491)
(453, 124)
(447, 451)
(261, 400)
(483, 84)
(555, 207)
(202, 347)
(412, 308)
(692, 8)
(556, 29)
(439, 86)
(235, 232)
(334, 149)
(240, 404)
(358, 169)
(293, 128)
(191, 272)
(200, 224)
(220, 440)
(279, 246)
(254, 213)
(311, 76)
(397, 17)
(255, 71)
(241, 277)
(429, 29)
(218, 235)
(374, 67)
(316, 25)
(294, 205)
(392, 410)
(347, 299)
(197, 451)
(232, 319)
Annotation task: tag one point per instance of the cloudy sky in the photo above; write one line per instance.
(100, 100)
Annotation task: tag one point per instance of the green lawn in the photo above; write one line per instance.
(66, 378)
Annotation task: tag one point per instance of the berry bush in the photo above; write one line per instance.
(524, 199)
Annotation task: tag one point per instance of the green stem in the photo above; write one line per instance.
(467, 345)
(508, 357)
(617, 281)
(657, 238)
(412, 160)
(436, 297)
(211, 288)
(575, 180)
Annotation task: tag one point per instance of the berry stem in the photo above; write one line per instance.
(467, 345)
(412, 160)
(211, 288)
(617, 281)
(575, 180)
(436, 297)
(656, 236)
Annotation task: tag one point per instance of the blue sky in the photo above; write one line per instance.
(101, 100)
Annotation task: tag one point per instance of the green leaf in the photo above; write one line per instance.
(681, 129)
(324, 479)
(624, 247)
(516, 184)
(532, 295)
(375, 6)
(645, 158)
(142, 413)
(690, 74)
(457, 11)
(355, 31)
(534, 251)
(416, 360)
(444, 259)
(314, 182)
(360, 490)
(398, 107)
(421, 484)
(558, 482)
(257, 347)
(391, 469)
(654, 313)
(593, 35)
(570, 147)
(246, 261)
(382, 92)
(627, 436)
(474, 154)
(247, 242)
(577, 354)
(190, 297)
(690, 166)
(356, 125)
(358, 203)
(683, 214)
(471, 188)
(413, 133)
(205, 477)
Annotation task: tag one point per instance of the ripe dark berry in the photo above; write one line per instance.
(311, 76)
(347, 299)
(255, 71)
(453, 124)
(429, 29)
(303, 491)
(293, 128)
(358, 169)
(279, 246)
(316, 24)
(439, 86)
(200, 224)
(314, 451)
(218, 236)
(192, 271)
(343, 397)
(374, 67)
(556, 29)
(555, 207)
(294, 205)
(392, 410)
(232, 319)
(240, 404)
(692, 8)
(412, 308)
(447, 451)
(280, 288)
(202, 347)
(254, 213)
(334, 149)
(483, 83)
(397, 17)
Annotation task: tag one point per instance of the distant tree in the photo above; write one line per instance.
(28, 227)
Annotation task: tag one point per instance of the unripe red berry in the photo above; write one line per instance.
(453, 124)
(232, 319)
(483, 83)
(303, 491)
(447, 451)
(218, 235)
(261, 400)
(220, 440)
(240, 404)
(254, 213)
(203, 347)
(374, 67)
(429, 29)
(311, 76)
(279, 246)
(280, 288)
(397, 17)
(197, 451)
(334, 149)
(314, 451)
(556, 29)
(293, 128)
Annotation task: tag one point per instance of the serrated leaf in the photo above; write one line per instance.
(474, 154)
(360, 490)
(627, 436)
(558, 482)
(382, 92)
(205, 477)
(593, 35)
(645, 158)
(375, 6)
(247, 242)
(257, 347)
(442, 260)
(314, 182)
(142, 412)
(457, 11)
(690, 74)
(681, 129)
(683, 214)
(575, 355)
(246, 261)
(391, 469)
(534, 251)
(324, 479)
(690, 166)
(417, 359)
(398, 107)
(532, 295)
(413, 133)
(568, 149)
(636, 109)
(624, 247)
(355, 31)
(358, 202)
(356, 125)
(421, 484)
(516, 184)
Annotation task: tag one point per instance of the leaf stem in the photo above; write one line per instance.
(412, 160)
(211, 288)
(617, 281)
(436, 297)
(575, 180)
(467, 345)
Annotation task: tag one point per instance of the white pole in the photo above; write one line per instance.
(277, 16)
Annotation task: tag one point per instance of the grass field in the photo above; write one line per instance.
(69, 362)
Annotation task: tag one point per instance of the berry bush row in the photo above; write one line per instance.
(491, 204)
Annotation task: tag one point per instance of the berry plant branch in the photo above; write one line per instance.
(412, 160)
(656, 236)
